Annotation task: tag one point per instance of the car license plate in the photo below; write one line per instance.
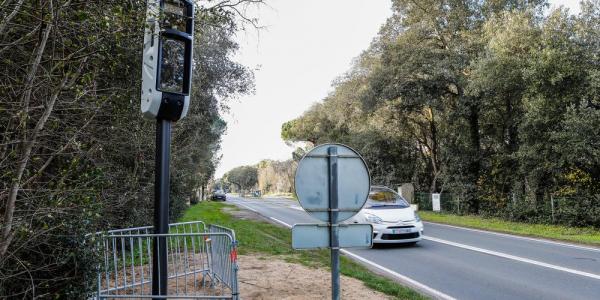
(402, 230)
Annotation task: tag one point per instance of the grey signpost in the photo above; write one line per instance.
(332, 184)
(166, 85)
(334, 243)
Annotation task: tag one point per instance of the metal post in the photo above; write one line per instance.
(235, 293)
(161, 207)
(333, 222)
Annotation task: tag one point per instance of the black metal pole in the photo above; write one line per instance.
(333, 222)
(161, 207)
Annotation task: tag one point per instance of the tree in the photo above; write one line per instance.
(493, 101)
(276, 176)
(244, 177)
(76, 157)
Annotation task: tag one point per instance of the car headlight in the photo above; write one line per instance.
(373, 219)
(417, 218)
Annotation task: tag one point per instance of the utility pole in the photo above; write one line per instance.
(166, 86)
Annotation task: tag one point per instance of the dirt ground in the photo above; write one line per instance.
(270, 278)
(260, 277)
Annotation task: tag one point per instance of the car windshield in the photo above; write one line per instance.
(384, 197)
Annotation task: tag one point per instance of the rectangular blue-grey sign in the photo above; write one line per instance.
(316, 236)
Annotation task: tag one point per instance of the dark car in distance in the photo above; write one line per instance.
(218, 195)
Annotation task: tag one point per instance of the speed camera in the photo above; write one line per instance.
(167, 59)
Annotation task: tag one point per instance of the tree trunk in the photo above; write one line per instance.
(27, 143)
(475, 164)
(434, 152)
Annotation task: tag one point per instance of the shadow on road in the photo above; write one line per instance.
(396, 246)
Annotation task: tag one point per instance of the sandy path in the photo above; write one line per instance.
(268, 277)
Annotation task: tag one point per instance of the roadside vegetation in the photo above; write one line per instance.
(76, 155)
(257, 236)
(584, 235)
(240, 179)
(495, 102)
(270, 177)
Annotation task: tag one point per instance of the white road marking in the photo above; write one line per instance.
(408, 281)
(520, 237)
(281, 222)
(513, 257)
(437, 294)
(296, 207)
(247, 207)
(432, 292)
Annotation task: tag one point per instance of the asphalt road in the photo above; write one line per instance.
(459, 263)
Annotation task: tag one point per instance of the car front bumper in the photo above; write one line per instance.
(397, 233)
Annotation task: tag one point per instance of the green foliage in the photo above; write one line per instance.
(565, 233)
(243, 177)
(76, 156)
(495, 102)
(262, 237)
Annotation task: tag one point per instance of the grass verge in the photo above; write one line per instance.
(583, 235)
(262, 237)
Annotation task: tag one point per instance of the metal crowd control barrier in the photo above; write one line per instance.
(223, 257)
(201, 264)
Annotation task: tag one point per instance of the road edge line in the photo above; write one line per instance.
(281, 222)
(514, 257)
(249, 208)
(515, 236)
(403, 279)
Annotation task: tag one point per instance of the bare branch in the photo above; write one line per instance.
(10, 17)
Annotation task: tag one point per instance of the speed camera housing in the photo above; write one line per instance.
(167, 59)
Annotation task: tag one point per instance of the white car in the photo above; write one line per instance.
(393, 219)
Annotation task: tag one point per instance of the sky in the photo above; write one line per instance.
(302, 48)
